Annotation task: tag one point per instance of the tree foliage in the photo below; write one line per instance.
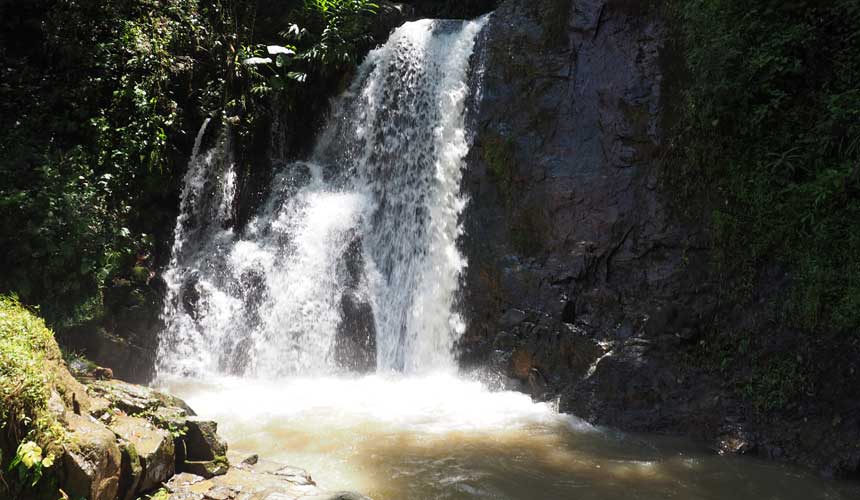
(90, 100)
(771, 137)
(99, 103)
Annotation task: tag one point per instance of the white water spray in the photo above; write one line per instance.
(385, 179)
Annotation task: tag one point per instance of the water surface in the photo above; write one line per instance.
(439, 437)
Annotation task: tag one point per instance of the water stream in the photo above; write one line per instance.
(352, 265)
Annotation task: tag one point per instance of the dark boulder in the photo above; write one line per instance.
(202, 441)
(355, 343)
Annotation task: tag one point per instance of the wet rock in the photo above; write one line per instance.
(134, 399)
(733, 438)
(568, 314)
(206, 468)
(152, 447)
(734, 444)
(262, 481)
(538, 387)
(512, 318)
(521, 364)
(202, 442)
(504, 342)
(131, 471)
(565, 221)
(389, 15)
(339, 495)
(91, 463)
(295, 475)
(251, 460)
(355, 345)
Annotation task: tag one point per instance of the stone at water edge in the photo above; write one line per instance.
(202, 442)
(295, 475)
(154, 449)
(134, 399)
(208, 468)
(263, 481)
(91, 462)
(130, 471)
(338, 495)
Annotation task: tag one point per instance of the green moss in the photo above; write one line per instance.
(776, 381)
(555, 15)
(770, 138)
(26, 347)
(498, 154)
(529, 232)
(161, 494)
(28, 360)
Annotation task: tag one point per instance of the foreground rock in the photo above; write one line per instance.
(122, 440)
(148, 455)
(253, 479)
(91, 463)
(126, 441)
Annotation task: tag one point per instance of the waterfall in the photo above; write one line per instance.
(352, 262)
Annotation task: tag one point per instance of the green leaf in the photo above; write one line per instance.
(297, 76)
(278, 50)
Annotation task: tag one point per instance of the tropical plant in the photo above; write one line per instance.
(29, 463)
(341, 31)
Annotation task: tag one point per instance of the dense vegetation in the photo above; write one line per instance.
(91, 95)
(774, 126)
(99, 105)
(769, 144)
(27, 353)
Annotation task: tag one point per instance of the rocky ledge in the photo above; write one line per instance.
(124, 441)
(253, 479)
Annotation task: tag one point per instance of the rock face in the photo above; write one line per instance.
(572, 254)
(128, 357)
(584, 282)
(202, 441)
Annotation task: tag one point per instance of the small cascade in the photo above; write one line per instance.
(352, 262)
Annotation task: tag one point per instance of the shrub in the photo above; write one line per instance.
(770, 136)
(27, 348)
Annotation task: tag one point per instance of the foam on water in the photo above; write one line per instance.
(433, 404)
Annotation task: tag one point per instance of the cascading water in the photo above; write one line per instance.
(384, 179)
(353, 262)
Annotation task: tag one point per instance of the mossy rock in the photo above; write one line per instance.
(92, 460)
(31, 369)
(153, 447)
(499, 154)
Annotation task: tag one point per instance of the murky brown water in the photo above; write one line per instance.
(443, 438)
